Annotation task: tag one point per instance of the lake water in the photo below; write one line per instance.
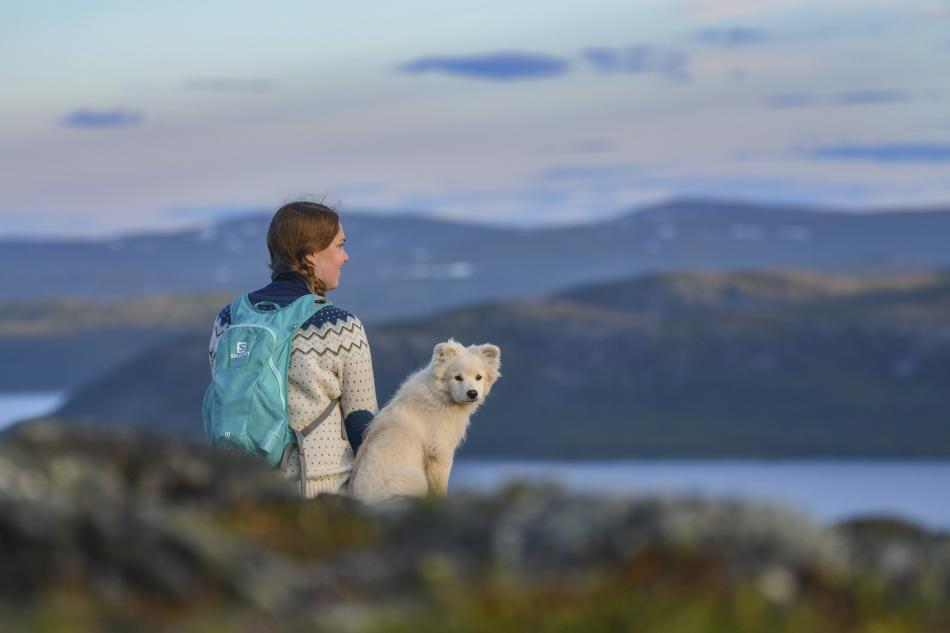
(828, 490)
(18, 406)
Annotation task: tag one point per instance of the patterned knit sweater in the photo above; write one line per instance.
(330, 388)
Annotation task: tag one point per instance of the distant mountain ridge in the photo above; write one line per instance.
(710, 364)
(407, 266)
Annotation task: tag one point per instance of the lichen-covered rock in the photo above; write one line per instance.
(905, 558)
(139, 528)
(117, 512)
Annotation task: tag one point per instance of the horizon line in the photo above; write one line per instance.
(434, 216)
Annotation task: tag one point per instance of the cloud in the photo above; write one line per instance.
(213, 212)
(850, 98)
(764, 188)
(515, 206)
(500, 66)
(900, 152)
(732, 36)
(932, 10)
(870, 97)
(228, 85)
(588, 172)
(710, 11)
(637, 59)
(593, 145)
(715, 10)
(94, 119)
(791, 100)
(620, 182)
(510, 66)
(360, 188)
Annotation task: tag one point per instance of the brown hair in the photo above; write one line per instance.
(298, 229)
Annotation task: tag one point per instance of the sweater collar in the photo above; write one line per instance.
(290, 276)
(285, 286)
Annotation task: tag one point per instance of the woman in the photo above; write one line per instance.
(330, 388)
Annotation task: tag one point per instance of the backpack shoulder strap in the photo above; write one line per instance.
(310, 428)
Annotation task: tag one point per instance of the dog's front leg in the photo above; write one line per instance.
(438, 468)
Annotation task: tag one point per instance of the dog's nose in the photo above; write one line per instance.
(472, 394)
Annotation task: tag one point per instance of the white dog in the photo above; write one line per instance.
(410, 444)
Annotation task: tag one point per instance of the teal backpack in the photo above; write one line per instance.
(245, 407)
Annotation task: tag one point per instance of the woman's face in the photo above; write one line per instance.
(328, 262)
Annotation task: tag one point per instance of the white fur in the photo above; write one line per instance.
(410, 445)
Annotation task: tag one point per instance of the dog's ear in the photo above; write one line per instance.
(491, 353)
(444, 351)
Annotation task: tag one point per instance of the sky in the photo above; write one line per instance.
(120, 117)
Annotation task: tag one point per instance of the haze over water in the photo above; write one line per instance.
(829, 490)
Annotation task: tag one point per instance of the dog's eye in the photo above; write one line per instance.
(478, 377)
(458, 378)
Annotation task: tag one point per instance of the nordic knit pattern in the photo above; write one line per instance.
(330, 360)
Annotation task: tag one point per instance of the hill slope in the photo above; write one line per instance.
(681, 364)
(57, 344)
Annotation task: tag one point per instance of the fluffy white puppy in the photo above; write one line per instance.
(410, 444)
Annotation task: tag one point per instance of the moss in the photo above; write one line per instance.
(620, 604)
(300, 530)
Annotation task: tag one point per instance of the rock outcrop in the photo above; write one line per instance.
(115, 529)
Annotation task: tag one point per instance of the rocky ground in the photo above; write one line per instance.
(118, 531)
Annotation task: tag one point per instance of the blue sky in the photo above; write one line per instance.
(120, 116)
